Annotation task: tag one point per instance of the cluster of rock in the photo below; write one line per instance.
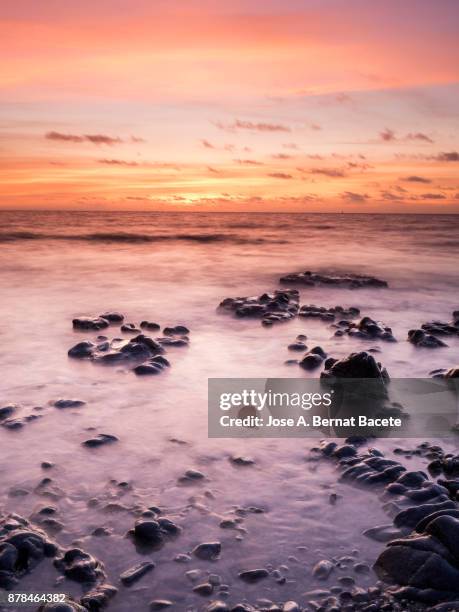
(144, 353)
(440, 328)
(350, 281)
(421, 557)
(365, 329)
(328, 314)
(420, 338)
(9, 420)
(356, 365)
(23, 546)
(269, 307)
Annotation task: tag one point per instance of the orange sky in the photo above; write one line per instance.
(302, 105)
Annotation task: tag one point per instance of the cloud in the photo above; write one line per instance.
(343, 98)
(291, 145)
(352, 196)
(137, 139)
(415, 179)
(238, 124)
(316, 127)
(450, 156)
(330, 172)
(206, 144)
(117, 162)
(433, 196)
(389, 195)
(418, 136)
(387, 135)
(281, 156)
(248, 162)
(213, 170)
(97, 139)
(280, 175)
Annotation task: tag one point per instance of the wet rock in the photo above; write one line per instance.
(130, 328)
(69, 403)
(322, 569)
(80, 566)
(418, 337)
(269, 307)
(7, 411)
(174, 341)
(148, 532)
(46, 465)
(411, 516)
(240, 460)
(291, 606)
(160, 604)
(208, 551)
(100, 440)
(217, 606)
(350, 281)
(177, 330)
(366, 329)
(297, 346)
(98, 597)
(311, 361)
(83, 350)
(134, 574)
(150, 325)
(68, 606)
(383, 533)
(253, 575)
(191, 476)
(113, 317)
(205, 589)
(89, 323)
(147, 369)
(357, 365)
(327, 314)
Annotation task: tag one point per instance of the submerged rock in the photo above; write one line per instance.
(134, 574)
(327, 314)
(269, 307)
(253, 575)
(90, 323)
(69, 403)
(100, 440)
(208, 551)
(350, 281)
(365, 329)
(418, 337)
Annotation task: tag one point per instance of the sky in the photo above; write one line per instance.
(254, 105)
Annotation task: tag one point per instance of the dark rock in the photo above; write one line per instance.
(112, 317)
(208, 551)
(130, 328)
(322, 569)
(418, 337)
(253, 575)
(327, 314)
(148, 531)
(297, 346)
(205, 589)
(69, 403)
(311, 361)
(100, 440)
(145, 369)
(7, 411)
(160, 604)
(150, 326)
(411, 516)
(80, 566)
(89, 323)
(82, 350)
(240, 460)
(269, 307)
(350, 281)
(134, 574)
(357, 365)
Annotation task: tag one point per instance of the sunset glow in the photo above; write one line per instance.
(213, 105)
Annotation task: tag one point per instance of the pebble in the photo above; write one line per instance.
(134, 574)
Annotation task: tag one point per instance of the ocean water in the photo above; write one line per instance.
(176, 268)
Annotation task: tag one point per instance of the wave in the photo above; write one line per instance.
(133, 238)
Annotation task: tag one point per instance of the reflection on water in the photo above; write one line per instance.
(174, 274)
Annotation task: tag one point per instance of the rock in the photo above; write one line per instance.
(411, 516)
(148, 531)
(100, 440)
(297, 346)
(322, 569)
(357, 365)
(366, 329)
(208, 551)
(446, 530)
(191, 475)
(150, 325)
(112, 317)
(46, 465)
(269, 307)
(147, 370)
(134, 574)
(160, 604)
(177, 330)
(291, 606)
(68, 606)
(311, 361)
(418, 337)
(98, 597)
(327, 314)
(80, 566)
(253, 575)
(383, 533)
(130, 328)
(82, 350)
(69, 403)
(350, 281)
(240, 460)
(205, 589)
(7, 411)
(89, 323)
(217, 606)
